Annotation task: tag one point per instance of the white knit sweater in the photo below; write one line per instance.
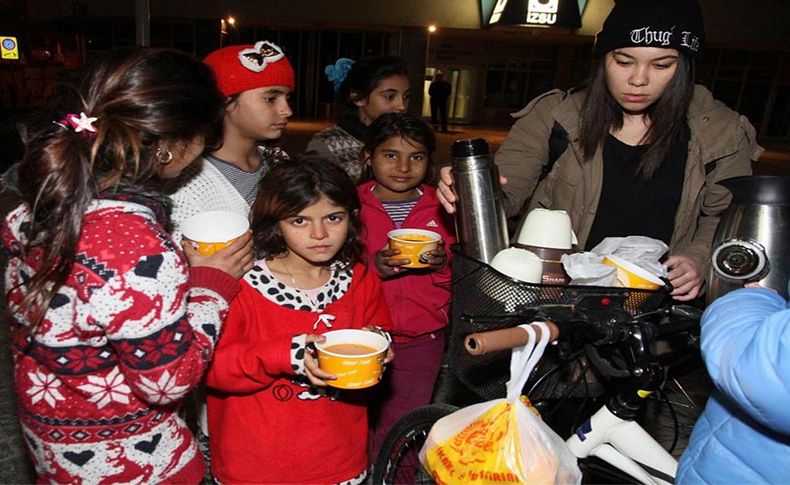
(207, 190)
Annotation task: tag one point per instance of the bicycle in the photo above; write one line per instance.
(607, 332)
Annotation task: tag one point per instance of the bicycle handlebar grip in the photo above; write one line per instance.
(482, 343)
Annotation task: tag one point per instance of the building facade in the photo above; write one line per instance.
(494, 67)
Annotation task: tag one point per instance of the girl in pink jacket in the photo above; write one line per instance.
(398, 157)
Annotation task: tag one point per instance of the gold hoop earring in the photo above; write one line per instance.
(163, 156)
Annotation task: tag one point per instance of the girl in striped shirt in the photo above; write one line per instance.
(399, 195)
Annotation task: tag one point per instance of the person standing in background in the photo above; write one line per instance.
(439, 91)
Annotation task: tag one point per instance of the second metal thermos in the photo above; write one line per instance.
(480, 218)
(750, 243)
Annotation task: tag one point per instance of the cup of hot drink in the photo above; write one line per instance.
(356, 357)
(414, 244)
(208, 232)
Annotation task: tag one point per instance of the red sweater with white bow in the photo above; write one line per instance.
(264, 426)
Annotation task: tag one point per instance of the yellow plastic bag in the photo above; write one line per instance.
(500, 441)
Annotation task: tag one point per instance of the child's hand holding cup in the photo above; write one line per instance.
(210, 232)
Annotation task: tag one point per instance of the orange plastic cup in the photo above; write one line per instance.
(356, 357)
(208, 232)
(413, 245)
(630, 275)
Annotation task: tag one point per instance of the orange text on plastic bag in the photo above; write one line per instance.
(477, 452)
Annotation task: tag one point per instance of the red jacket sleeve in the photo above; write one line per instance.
(163, 324)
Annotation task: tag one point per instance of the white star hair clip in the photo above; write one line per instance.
(83, 122)
(80, 124)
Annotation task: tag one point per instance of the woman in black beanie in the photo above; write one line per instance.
(640, 150)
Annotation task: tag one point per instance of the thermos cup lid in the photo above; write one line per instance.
(759, 189)
(470, 147)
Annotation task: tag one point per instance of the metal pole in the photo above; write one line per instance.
(429, 30)
(142, 22)
(427, 51)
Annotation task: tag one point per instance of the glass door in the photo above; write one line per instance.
(459, 107)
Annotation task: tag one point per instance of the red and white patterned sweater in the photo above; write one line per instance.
(123, 341)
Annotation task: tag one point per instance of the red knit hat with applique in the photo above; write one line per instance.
(240, 68)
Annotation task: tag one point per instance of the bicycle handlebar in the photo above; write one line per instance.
(482, 343)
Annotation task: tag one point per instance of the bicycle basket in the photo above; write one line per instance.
(483, 292)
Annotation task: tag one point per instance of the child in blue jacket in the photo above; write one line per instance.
(743, 436)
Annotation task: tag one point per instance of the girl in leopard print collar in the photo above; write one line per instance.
(308, 278)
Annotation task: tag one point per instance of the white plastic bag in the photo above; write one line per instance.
(587, 268)
(501, 441)
(643, 251)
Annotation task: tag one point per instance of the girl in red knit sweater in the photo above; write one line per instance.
(272, 418)
(111, 327)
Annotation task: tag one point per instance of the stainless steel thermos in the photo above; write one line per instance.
(751, 239)
(480, 217)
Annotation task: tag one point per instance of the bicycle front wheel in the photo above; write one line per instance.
(397, 461)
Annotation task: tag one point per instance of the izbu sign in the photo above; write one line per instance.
(550, 13)
(542, 12)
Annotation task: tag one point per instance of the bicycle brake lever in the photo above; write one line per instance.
(686, 311)
(602, 364)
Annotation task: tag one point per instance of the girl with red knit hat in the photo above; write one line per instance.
(256, 81)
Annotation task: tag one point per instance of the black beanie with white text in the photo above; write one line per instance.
(669, 24)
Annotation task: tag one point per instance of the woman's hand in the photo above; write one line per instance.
(315, 374)
(445, 189)
(445, 192)
(686, 277)
(386, 265)
(234, 259)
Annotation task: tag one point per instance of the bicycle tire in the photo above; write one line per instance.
(398, 454)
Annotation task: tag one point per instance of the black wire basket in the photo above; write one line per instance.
(485, 299)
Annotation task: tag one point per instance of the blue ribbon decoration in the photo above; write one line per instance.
(337, 72)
